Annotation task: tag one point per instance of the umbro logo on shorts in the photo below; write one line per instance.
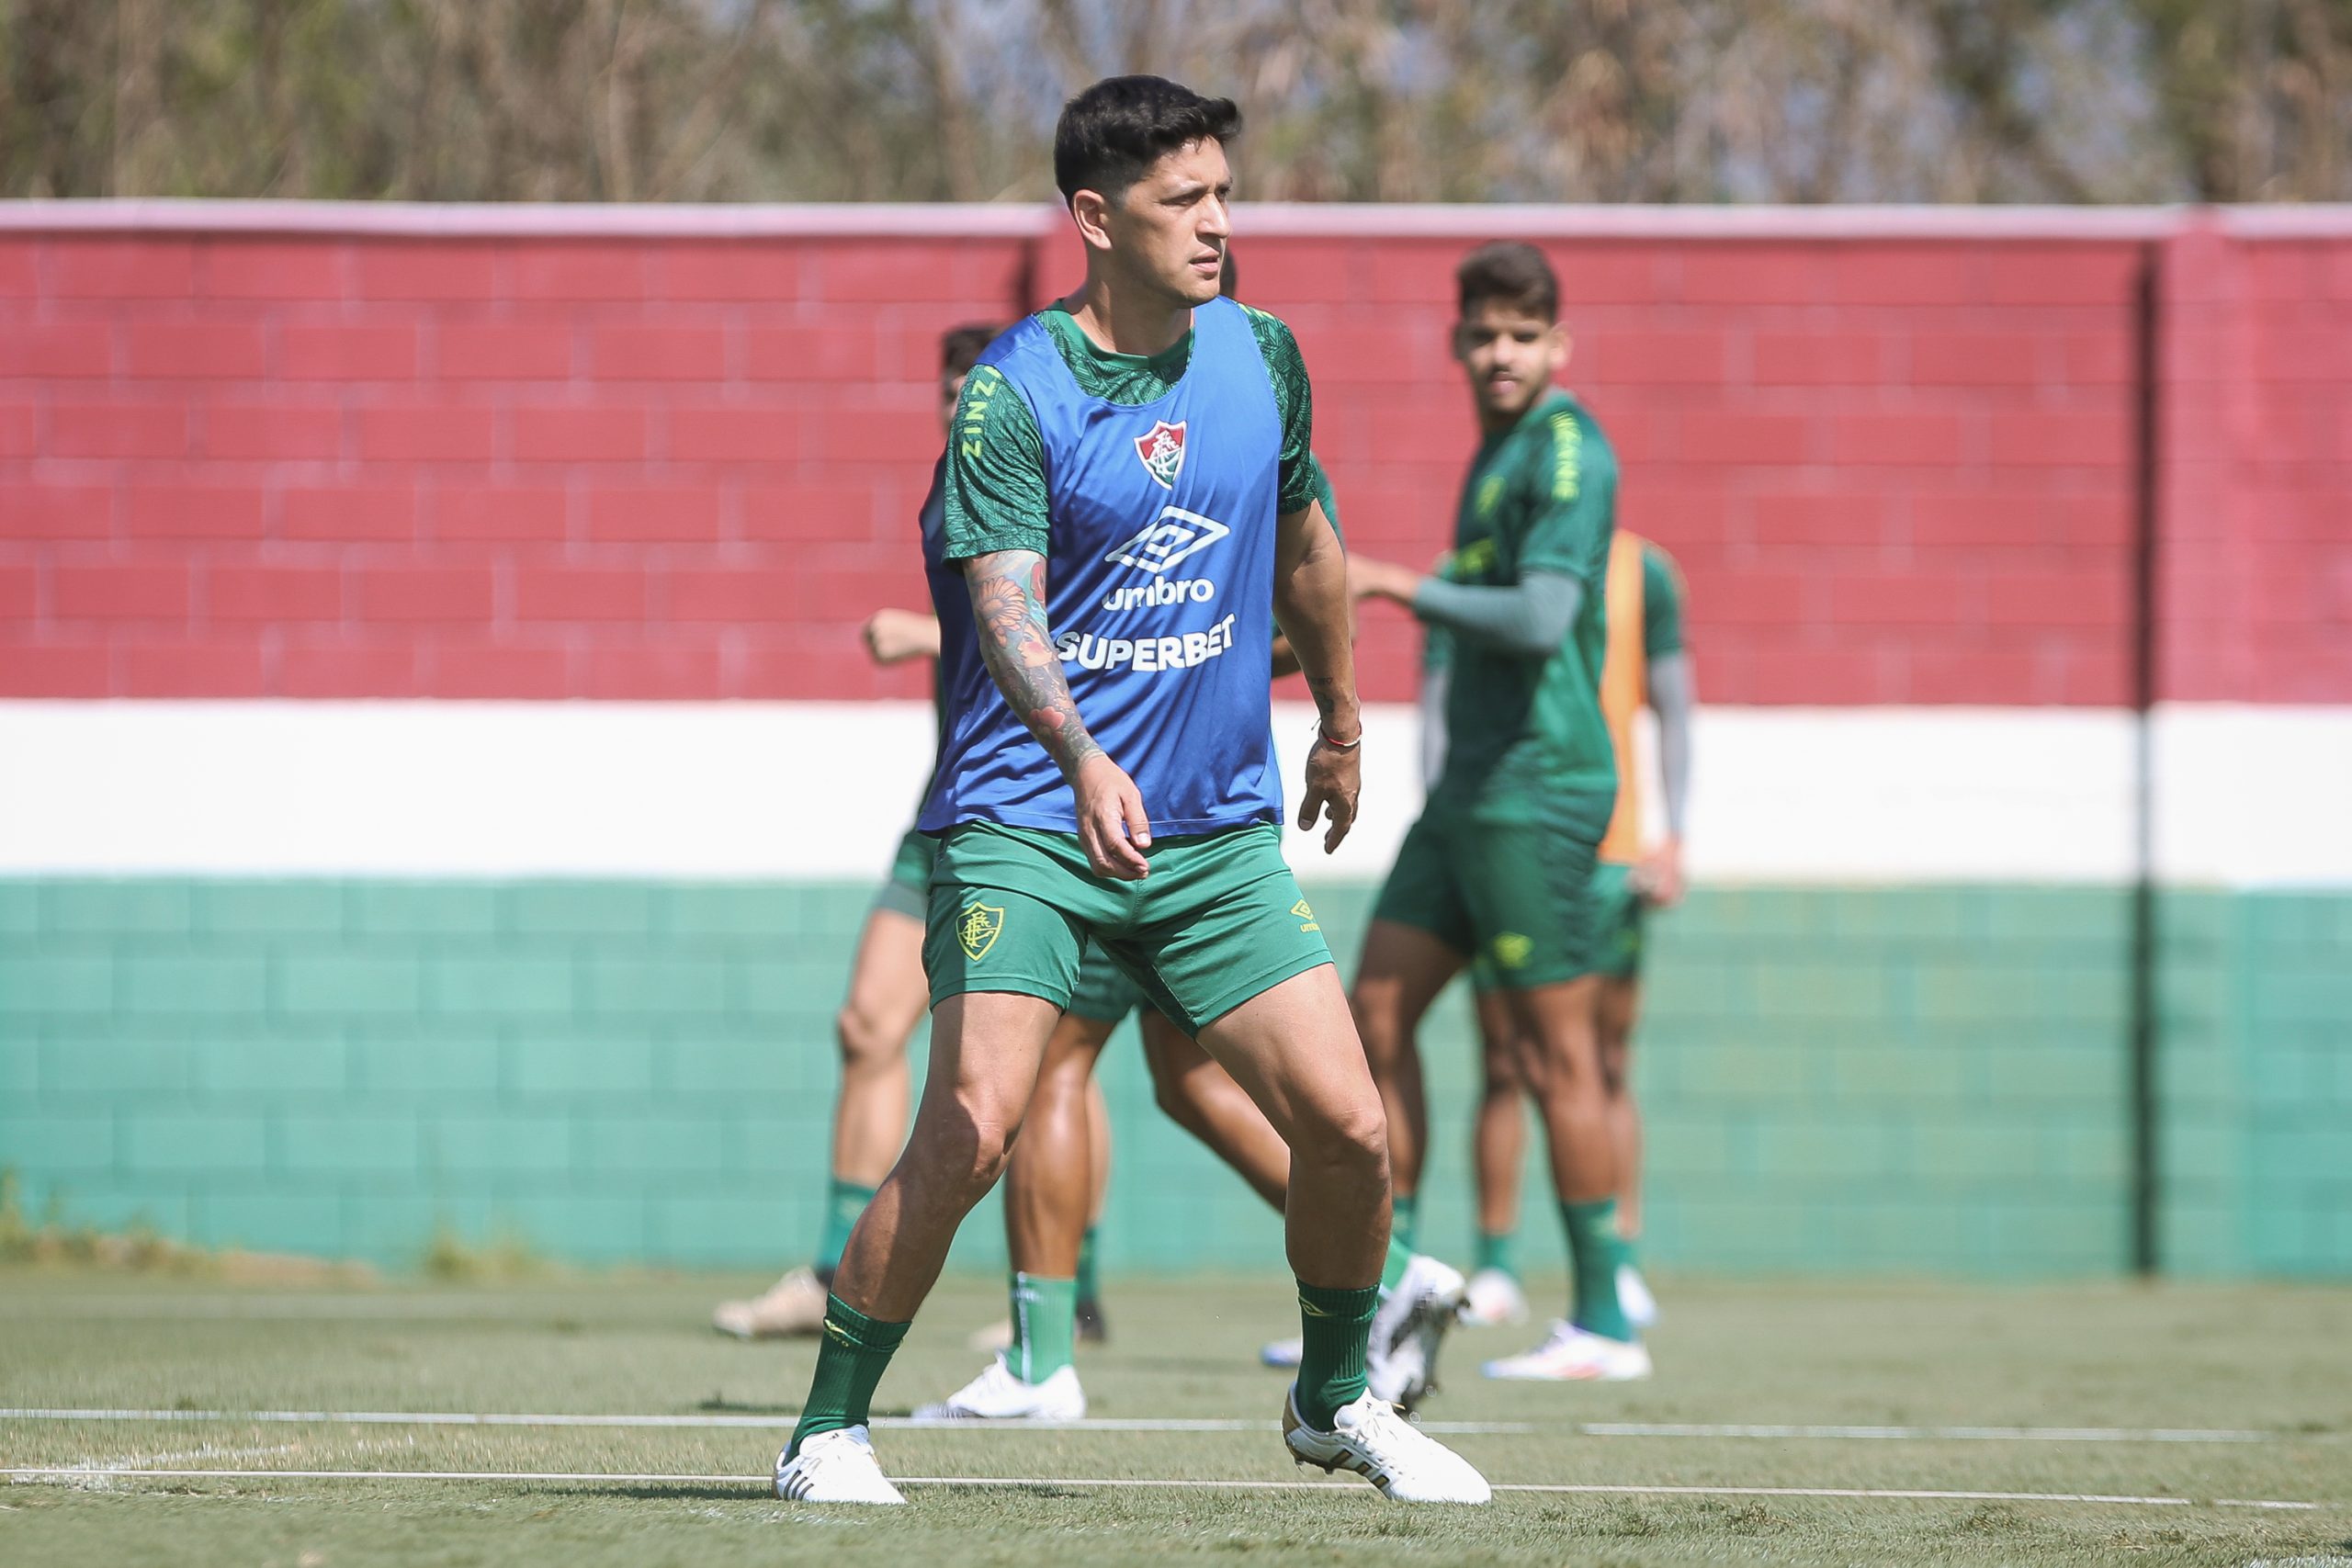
(1305, 915)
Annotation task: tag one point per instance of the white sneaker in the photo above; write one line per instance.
(998, 1396)
(1281, 1354)
(793, 1305)
(1369, 1437)
(1493, 1299)
(1634, 1296)
(1571, 1354)
(1400, 1364)
(834, 1467)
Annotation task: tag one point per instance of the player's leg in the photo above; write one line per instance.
(1002, 954)
(1049, 1190)
(1532, 886)
(885, 1000)
(1419, 939)
(1617, 1009)
(1201, 1098)
(1230, 951)
(1619, 912)
(1498, 1144)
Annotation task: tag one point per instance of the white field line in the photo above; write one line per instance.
(1206, 1424)
(1106, 1483)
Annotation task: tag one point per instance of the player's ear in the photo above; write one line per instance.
(1562, 345)
(1458, 343)
(1091, 209)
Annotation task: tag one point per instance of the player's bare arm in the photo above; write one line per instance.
(1008, 589)
(1311, 606)
(893, 637)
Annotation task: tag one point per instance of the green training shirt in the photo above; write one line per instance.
(996, 459)
(1540, 497)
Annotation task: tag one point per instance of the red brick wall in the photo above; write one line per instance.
(388, 466)
(2256, 494)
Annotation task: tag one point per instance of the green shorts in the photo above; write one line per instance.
(1513, 896)
(1219, 921)
(1617, 912)
(1103, 992)
(908, 891)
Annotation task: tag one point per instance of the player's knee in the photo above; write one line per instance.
(1352, 1135)
(868, 1041)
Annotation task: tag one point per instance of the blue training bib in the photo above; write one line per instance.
(1159, 595)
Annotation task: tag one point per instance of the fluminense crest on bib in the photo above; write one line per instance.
(1162, 451)
(978, 927)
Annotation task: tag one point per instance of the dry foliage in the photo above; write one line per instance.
(1358, 100)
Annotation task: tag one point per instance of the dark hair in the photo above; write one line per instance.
(1229, 276)
(1509, 272)
(959, 347)
(1112, 132)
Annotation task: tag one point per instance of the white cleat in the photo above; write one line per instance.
(998, 1396)
(1281, 1354)
(1370, 1437)
(1493, 1300)
(793, 1305)
(1571, 1354)
(834, 1467)
(1400, 1364)
(1634, 1298)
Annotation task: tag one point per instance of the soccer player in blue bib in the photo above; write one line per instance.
(1129, 507)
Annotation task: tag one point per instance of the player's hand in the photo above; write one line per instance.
(1112, 827)
(1369, 578)
(1334, 779)
(1657, 877)
(894, 635)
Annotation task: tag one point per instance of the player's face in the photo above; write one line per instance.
(1509, 355)
(1170, 228)
(951, 387)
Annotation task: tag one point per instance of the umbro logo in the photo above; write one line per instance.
(1174, 536)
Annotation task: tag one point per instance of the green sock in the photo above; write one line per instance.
(1392, 1267)
(1089, 1284)
(1405, 1211)
(845, 1201)
(1494, 1252)
(1595, 1251)
(1045, 1314)
(1335, 1324)
(850, 1359)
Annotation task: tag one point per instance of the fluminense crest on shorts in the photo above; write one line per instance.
(1162, 451)
(978, 927)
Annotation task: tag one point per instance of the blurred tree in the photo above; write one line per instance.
(1401, 100)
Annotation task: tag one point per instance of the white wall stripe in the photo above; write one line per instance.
(821, 790)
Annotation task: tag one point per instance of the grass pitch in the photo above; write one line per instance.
(2095, 1424)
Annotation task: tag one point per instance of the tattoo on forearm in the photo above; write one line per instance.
(1007, 591)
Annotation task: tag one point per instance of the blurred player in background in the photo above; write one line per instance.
(1647, 661)
(1500, 865)
(887, 989)
(1046, 1179)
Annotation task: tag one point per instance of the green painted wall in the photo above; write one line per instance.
(1916, 1081)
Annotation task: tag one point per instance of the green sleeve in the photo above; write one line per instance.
(1295, 396)
(1323, 493)
(1662, 596)
(1570, 487)
(995, 492)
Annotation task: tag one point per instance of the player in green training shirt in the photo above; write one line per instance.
(1500, 865)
